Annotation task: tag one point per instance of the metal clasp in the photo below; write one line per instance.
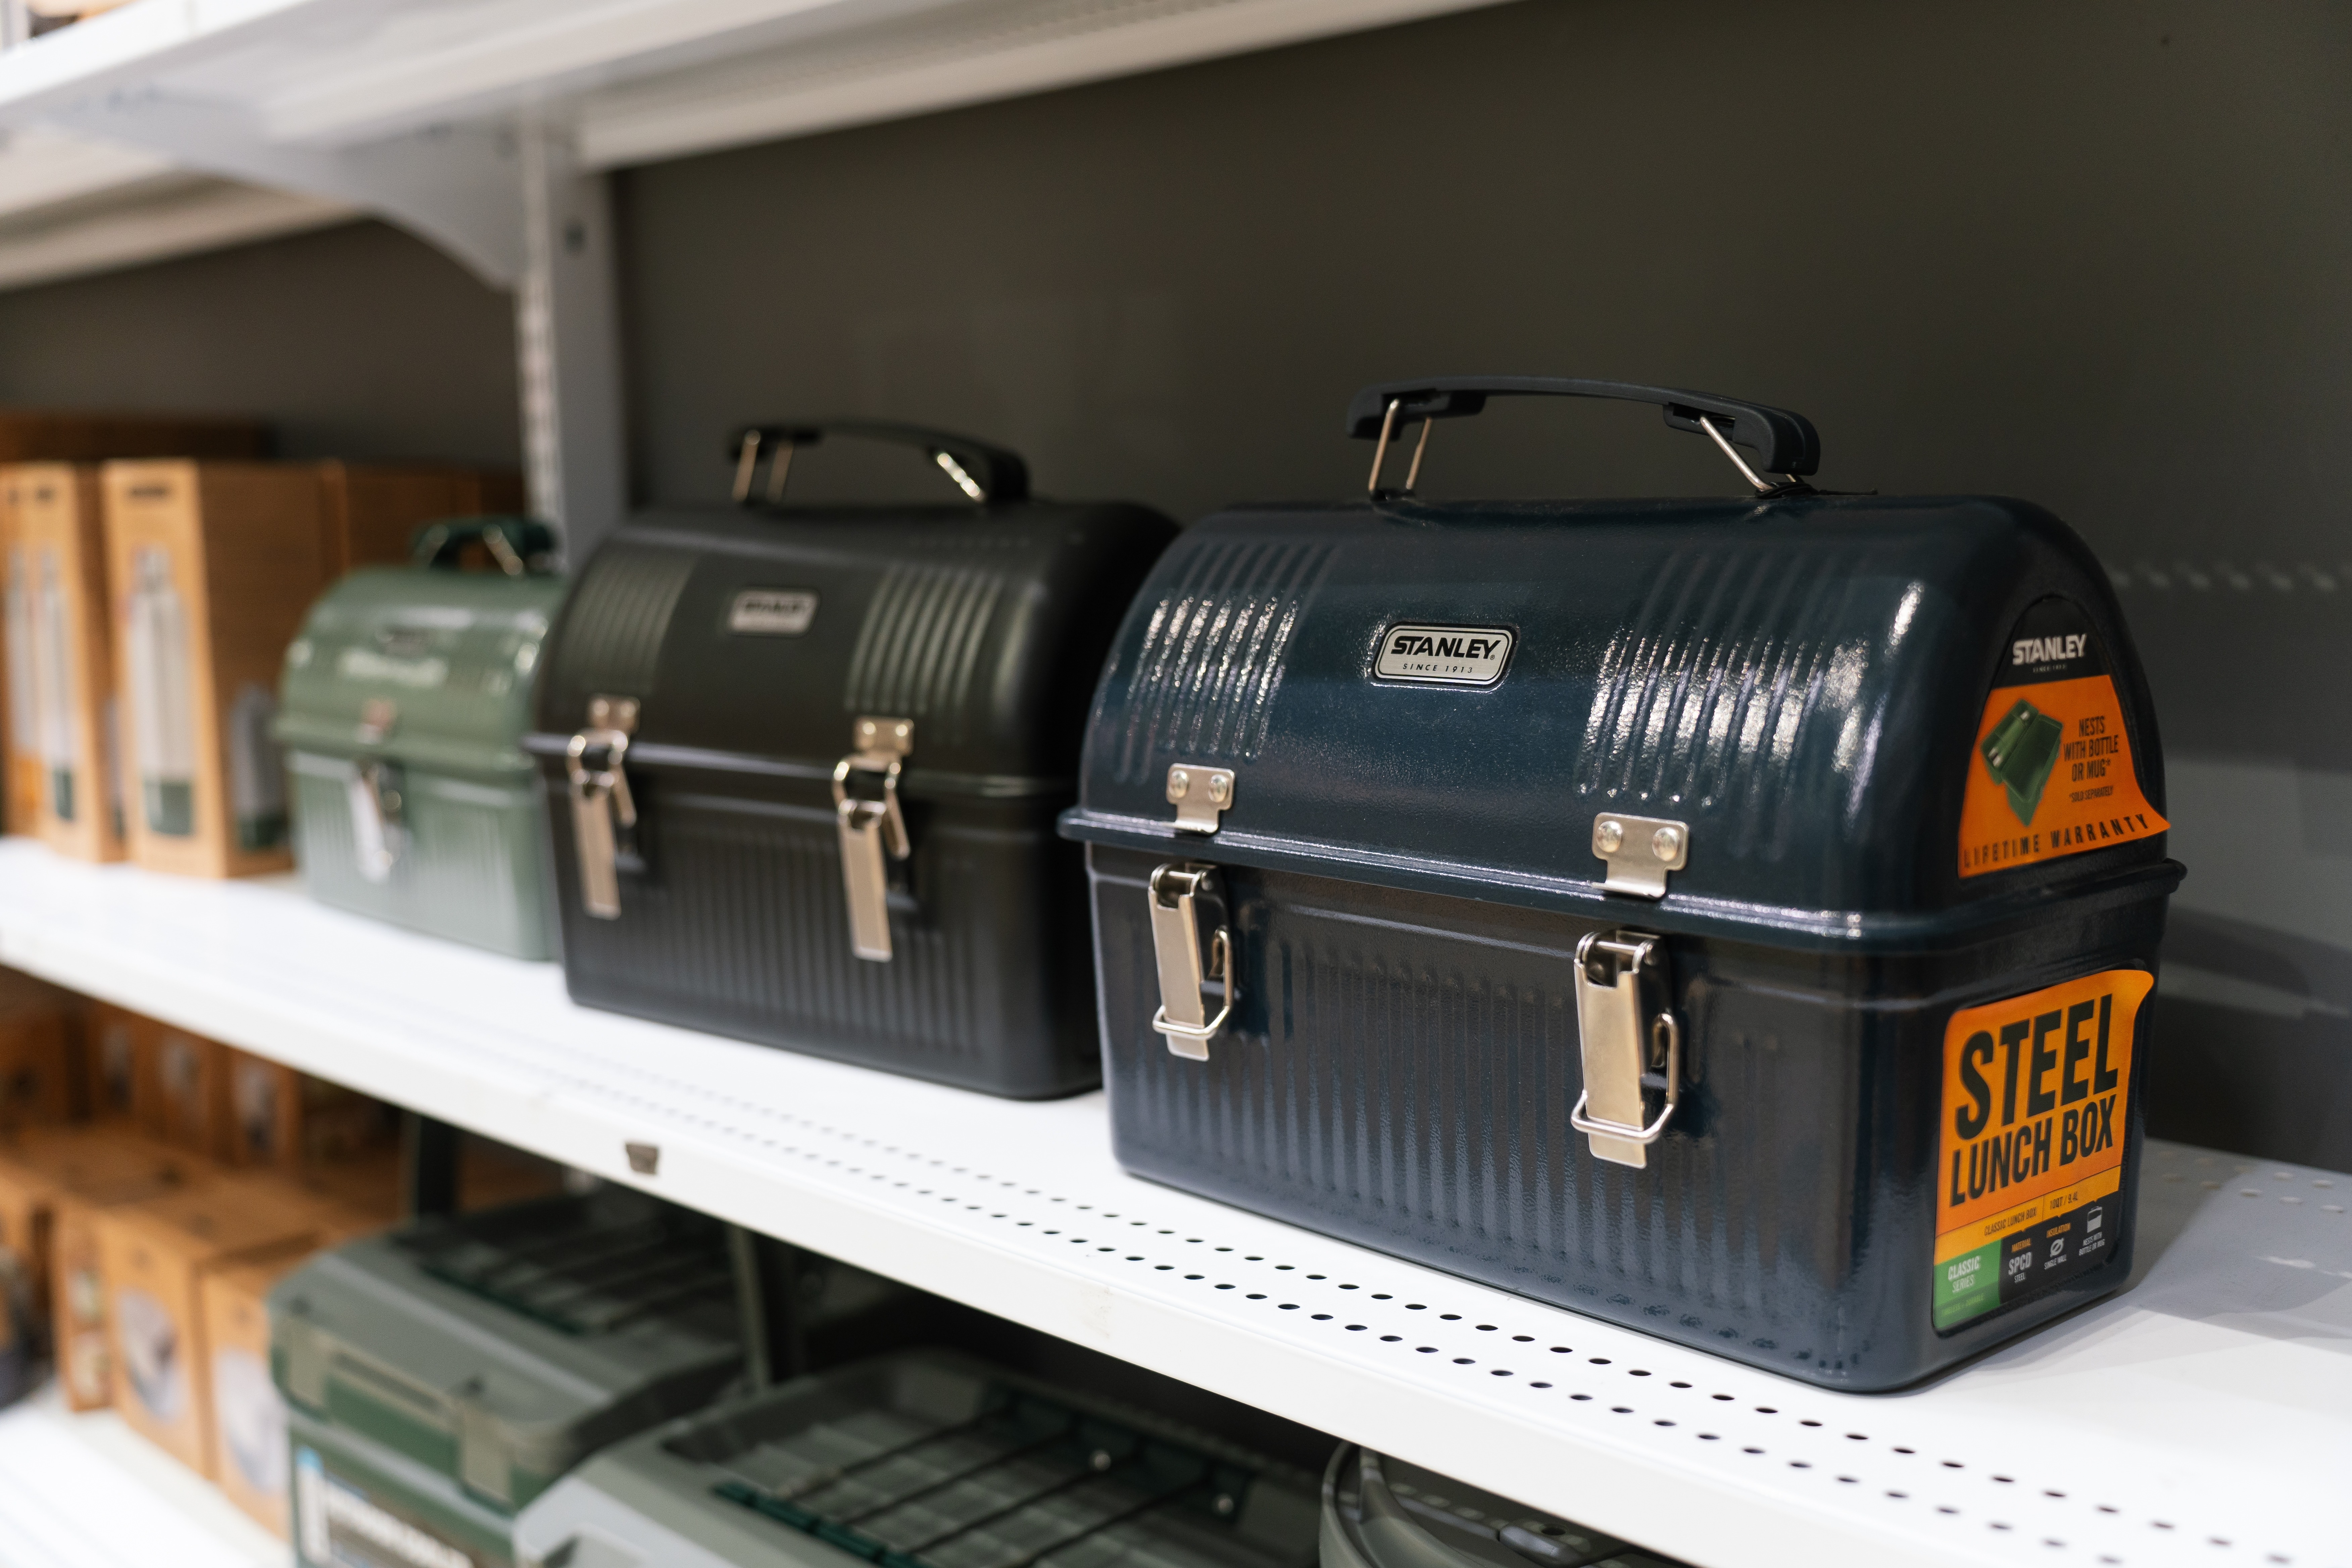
(1200, 796)
(1184, 1016)
(602, 807)
(1633, 1046)
(1639, 851)
(870, 828)
(378, 829)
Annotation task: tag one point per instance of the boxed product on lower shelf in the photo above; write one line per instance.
(55, 1184)
(926, 1458)
(440, 1375)
(1380, 1512)
(156, 1256)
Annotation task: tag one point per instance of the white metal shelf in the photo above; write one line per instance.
(85, 1491)
(410, 109)
(2204, 1416)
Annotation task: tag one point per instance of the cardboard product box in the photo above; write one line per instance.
(115, 1042)
(213, 566)
(154, 1257)
(279, 1117)
(57, 549)
(246, 1414)
(54, 1185)
(32, 436)
(35, 1052)
(181, 1096)
(373, 509)
(20, 733)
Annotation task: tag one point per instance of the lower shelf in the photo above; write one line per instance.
(85, 1491)
(2203, 1416)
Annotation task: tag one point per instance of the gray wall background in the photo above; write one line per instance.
(2093, 254)
(357, 342)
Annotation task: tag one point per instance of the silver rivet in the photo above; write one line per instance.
(1218, 784)
(1610, 836)
(1666, 843)
(1178, 780)
(899, 731)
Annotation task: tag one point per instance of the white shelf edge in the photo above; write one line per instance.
(85, 1491)
(2196, 1394)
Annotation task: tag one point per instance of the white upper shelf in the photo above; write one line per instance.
(2202, 1417)
(641, 78)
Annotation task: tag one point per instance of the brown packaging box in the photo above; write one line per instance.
(30, 436)
(54, 1183)
(115, 1043)
(213, 566)
(247, 1417)
(36, 1032)
(182, 1095)
(57, 547)
(281, 1118)
(154, 1257)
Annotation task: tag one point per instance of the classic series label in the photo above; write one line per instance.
(2036, 1091)
(1443, 656)
(2051, 771)
(771, 611)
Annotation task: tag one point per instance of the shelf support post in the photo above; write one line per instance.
(567, 333)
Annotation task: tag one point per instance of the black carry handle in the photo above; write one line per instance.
(1785, 442)
(985, 473)
(520, 545)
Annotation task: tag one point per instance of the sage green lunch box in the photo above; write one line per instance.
(400, 710)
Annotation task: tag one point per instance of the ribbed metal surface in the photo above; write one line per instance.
(1420, 1090)
(745, 928)
(919, 643)
(1400, 1069)
(614, 625)
(1736, 666)
(1211, 663)
(471, 869)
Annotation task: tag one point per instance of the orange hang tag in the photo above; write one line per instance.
(2051, 772)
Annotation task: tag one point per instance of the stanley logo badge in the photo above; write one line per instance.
(771, 611)
(1443, 656)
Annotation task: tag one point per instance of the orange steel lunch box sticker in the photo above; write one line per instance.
(2031, 1155)
(2051, 772)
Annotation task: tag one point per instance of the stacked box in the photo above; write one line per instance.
(57, 441)
(55, 1183)
(35, 1052)
(440, 1376)
(155, 1257)
(213, 566)
(57, 548)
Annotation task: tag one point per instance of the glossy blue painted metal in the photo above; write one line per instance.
(1407, 869)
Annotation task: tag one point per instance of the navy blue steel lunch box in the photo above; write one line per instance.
(1731, 919)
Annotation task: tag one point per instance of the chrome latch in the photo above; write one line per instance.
(1184, 1016)
(379, 828)
(1632, 1044)
(1200, 796)
(1639, 851)
(602, 807)
(870, 828)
